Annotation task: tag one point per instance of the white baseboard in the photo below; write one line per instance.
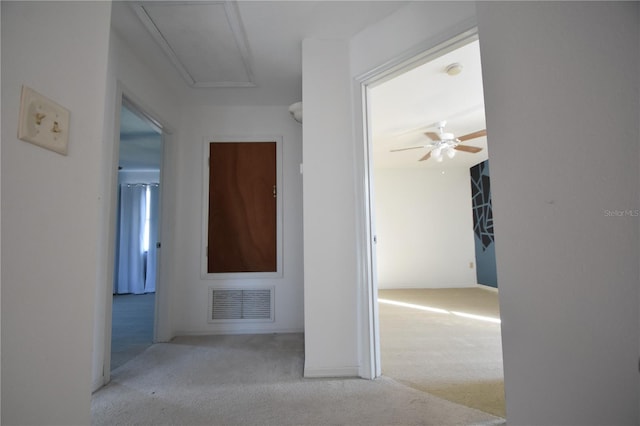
(256, 330)
(487, 287)
(315, 373)
(97, 384)
(421, 286)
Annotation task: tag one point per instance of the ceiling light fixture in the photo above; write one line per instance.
(453, 69)
(296, 111)
(445, 144)
(451, 152)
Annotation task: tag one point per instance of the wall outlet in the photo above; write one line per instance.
(470, 265)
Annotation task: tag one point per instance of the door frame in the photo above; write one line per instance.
(456, 37)
(204, 273)
(161, 330)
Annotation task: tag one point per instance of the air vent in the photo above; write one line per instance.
(240, 304)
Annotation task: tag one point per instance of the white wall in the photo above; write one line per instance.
(413, 26)
(409, 31)
(189, 299)
(424, 228)
(334, 270)
(156, 97)
(561, 95)
(162, 100)
(553, 72)
(329, 229)
(0, 224)
(139, 176)
(50, 214)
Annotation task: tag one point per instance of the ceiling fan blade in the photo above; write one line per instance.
(433, 136)
(406, 149)
(468, 148)
(473, 135)
(426, 156)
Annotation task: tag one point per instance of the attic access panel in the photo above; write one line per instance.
(204, 40)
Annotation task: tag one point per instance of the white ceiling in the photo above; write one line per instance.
(250, 53)
(273, 31)
(409, 105)
(196, 36)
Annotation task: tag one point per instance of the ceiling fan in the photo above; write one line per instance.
(446, 143)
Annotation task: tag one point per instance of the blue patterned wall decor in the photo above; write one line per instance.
(483, 224)
(481, 199)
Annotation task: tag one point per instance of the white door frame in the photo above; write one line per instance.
(456, 37)
(161, 329)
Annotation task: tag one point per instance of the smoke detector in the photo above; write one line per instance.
(453, 69)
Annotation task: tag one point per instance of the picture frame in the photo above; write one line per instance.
(43, 122)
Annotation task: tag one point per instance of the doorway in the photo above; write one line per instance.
(137, 240)
(435, 329)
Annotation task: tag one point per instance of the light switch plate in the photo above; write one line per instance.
(43, 122)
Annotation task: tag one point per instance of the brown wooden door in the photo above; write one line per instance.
(242, 207)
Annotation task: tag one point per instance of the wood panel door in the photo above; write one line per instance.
(242, 207)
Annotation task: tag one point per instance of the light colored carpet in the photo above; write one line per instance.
(257, 380)
(454, 357)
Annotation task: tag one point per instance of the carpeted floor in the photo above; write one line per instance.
(131, 326)
(432, 347)
(257, 380)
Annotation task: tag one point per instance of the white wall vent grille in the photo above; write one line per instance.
(240, 304)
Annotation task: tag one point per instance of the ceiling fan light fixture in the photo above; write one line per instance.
(447, 136)
(437, 152)
(451, 152)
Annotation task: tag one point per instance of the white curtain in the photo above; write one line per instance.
(130, 268)
(152, 254)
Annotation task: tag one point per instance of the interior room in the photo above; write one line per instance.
(423, 203)
(560, 83)
(434, 228)
(136, 258)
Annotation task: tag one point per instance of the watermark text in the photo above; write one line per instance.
(622, 213)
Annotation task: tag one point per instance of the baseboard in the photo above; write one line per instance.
(243, 331)
(316, 373)
(487, 287)
(97, 384)
(422, 286)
